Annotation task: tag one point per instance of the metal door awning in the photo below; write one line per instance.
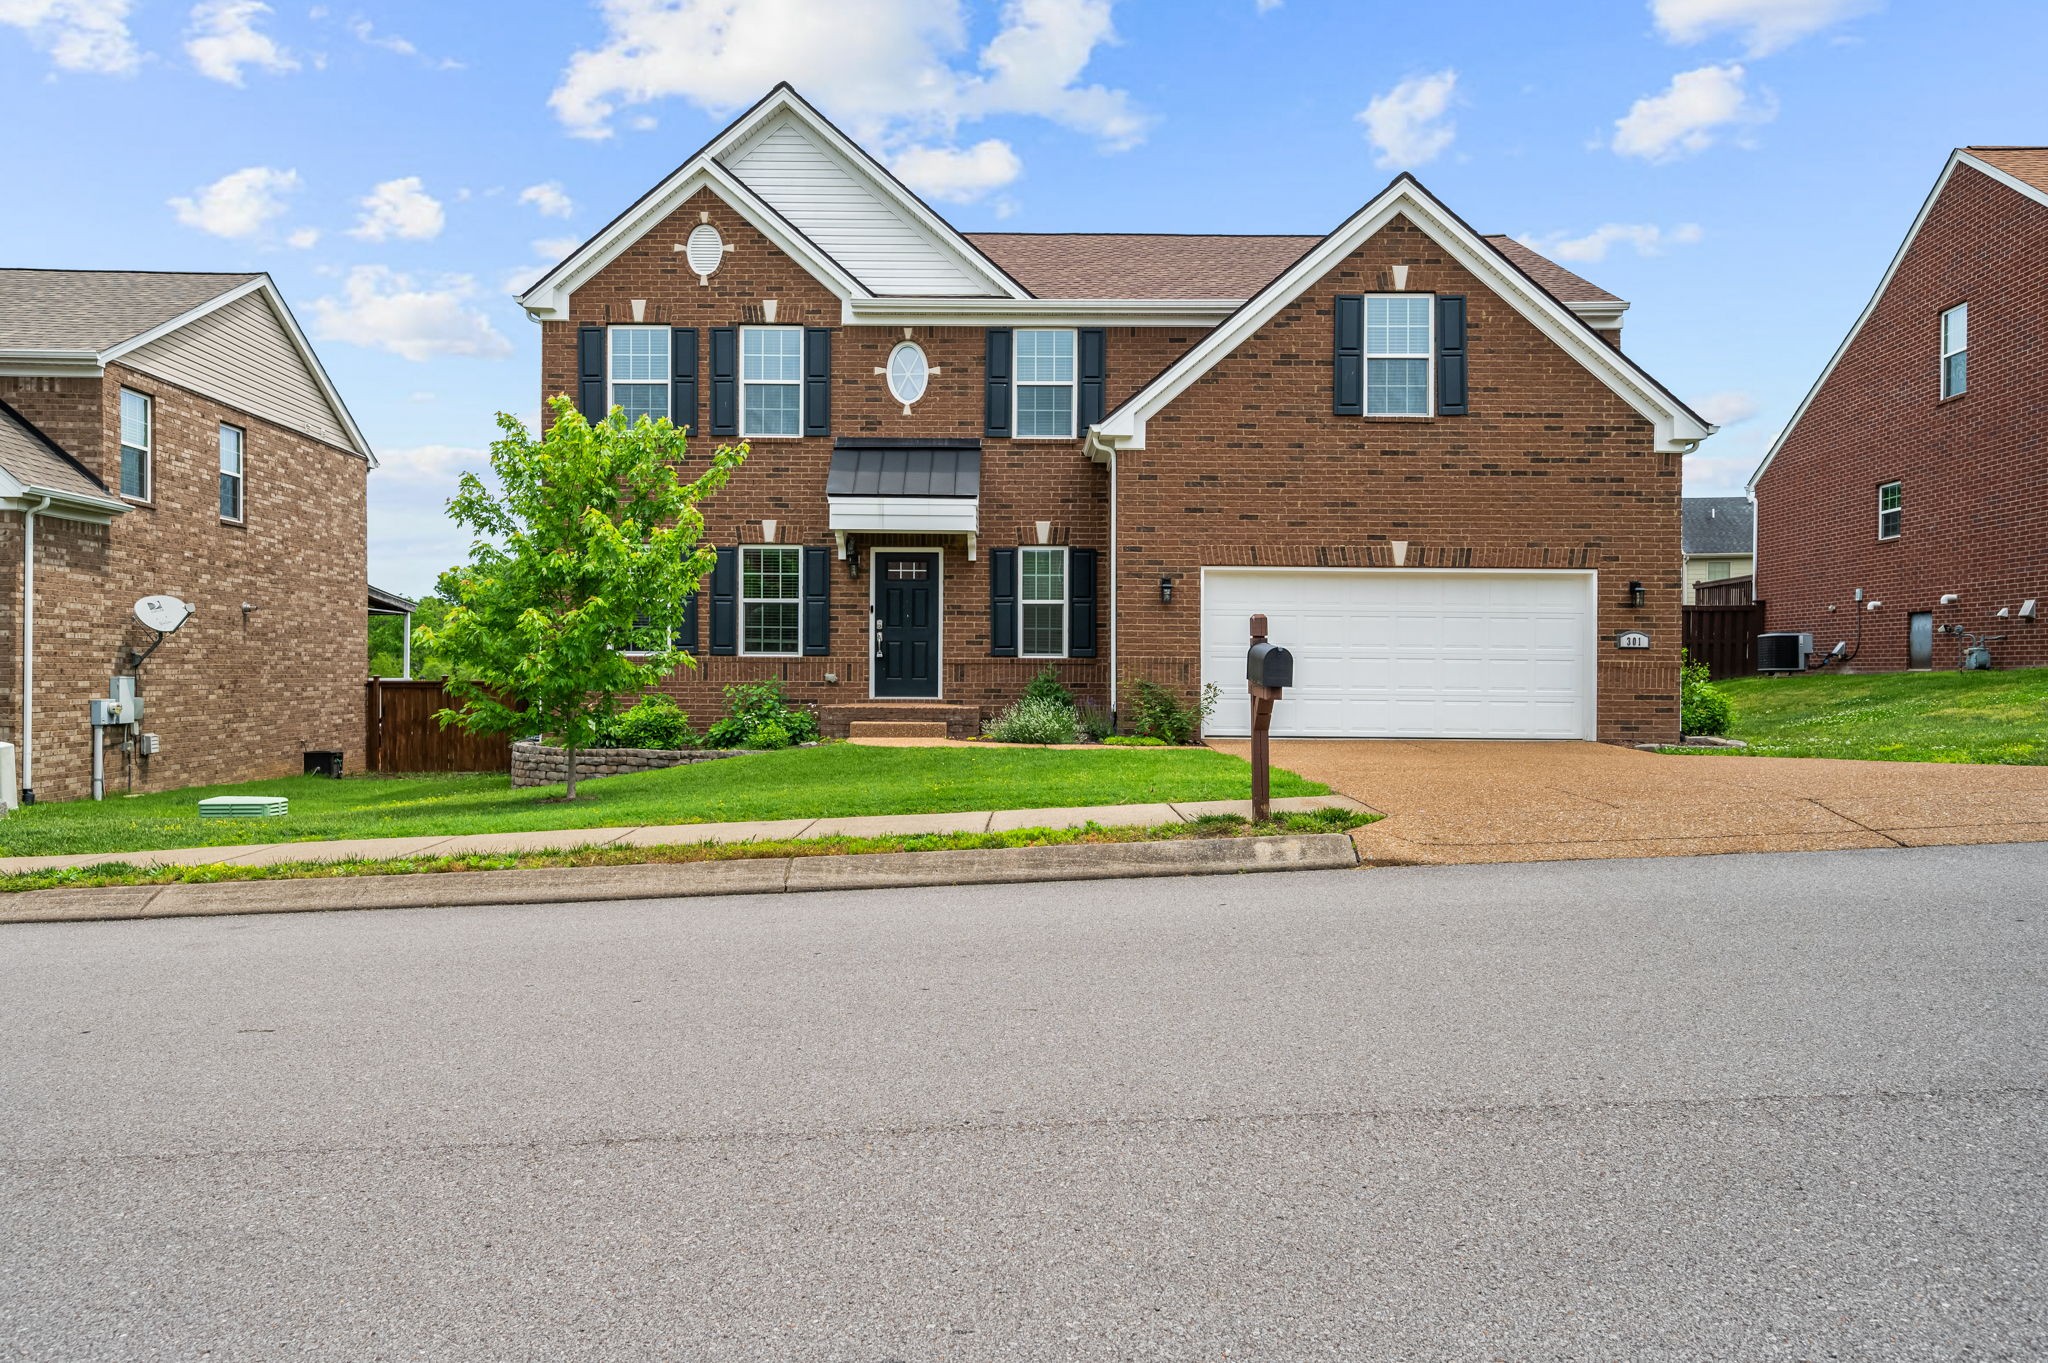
(911, 487)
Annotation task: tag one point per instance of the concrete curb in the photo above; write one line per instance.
(658, 880)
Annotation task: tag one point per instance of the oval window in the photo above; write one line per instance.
(908, 372)
(705, 250)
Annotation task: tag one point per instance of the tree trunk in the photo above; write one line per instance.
(572, 776)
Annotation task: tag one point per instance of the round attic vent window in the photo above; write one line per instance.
(705, 250)
(909, 372)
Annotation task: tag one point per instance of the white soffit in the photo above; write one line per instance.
(926, 515)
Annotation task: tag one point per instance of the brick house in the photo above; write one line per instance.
(175, 434)
(1420, 451)
(1904, 503)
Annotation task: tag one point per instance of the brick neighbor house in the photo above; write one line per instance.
(1907, 500)
(175, 434)
(1419, 450)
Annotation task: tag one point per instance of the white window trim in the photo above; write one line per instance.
(1899, 510)
(1065, 600)
(889, 374)
(241, 478)
(611, 385)
(1941, 344)
(740, 624)
(148, 449)
(1367, 355)
(798, 384)
(1017, 387)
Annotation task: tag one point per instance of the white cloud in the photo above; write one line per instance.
(400, 208)
(549, 199)
(955, 174)
(1765, 25)
(222, 39)
(890, 70)
(384, 310)
(366, 32)
(1648, 239)
(239, 204)
(1688, 116)
(412, 541)
(1267, 6)
(552, 249)
(79, 35)
(1409, 124)
(1730, 408)
(303, 239)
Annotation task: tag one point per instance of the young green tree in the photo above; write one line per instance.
(591, 546)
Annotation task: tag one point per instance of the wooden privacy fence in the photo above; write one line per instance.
(403, 735)
(1724, 638)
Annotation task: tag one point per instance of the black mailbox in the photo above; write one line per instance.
(1268, 665)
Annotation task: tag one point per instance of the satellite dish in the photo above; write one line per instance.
(163, 613)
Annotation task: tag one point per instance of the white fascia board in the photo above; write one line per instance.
(1024, 312)
(1677, 430)
(40, 364)
(909, 515)
(548, 301)
(785, 100)
(16, 495)
(1956, 158)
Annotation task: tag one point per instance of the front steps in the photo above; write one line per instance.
(899, 719)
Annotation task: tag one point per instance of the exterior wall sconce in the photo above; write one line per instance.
(853, 566)
(1635, 594)
(1166, 591)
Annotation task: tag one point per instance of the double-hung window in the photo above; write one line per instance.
(1399, 347)
(1955, 351)
(771, 598)
(138, 434)
(1044, 384)
(1043, 602)
(771, 381)
(640, 372)
(231, 472)
(1891, 510)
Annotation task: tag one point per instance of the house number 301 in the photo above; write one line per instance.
(1632, 639)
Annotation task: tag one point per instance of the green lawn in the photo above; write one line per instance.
(832, 779)
(1896, 716)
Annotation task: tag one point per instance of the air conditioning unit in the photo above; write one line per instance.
(1783, 652)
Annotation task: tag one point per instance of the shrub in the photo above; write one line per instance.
(758, 715)
(1097, 724)
(1133, 741)
(655, 721)
(1158, 713)
(1046, 687)
(1704, 708)
(1034, 721)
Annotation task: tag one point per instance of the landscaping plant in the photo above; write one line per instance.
(1157, 712)
(589, 533)
(1034, 719)
(1703, 707)
(656, 721)
(1046, 686)
(758, 715)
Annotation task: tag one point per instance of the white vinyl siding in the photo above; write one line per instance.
(138, 443)
(838, 208)
(771, 381)
(1891, 510)
(1044, 384)
(1399, 350)
(233, 468)
(240, 354)
(639, 371)
(771, 599)
(1955, 351)
(1042, 602)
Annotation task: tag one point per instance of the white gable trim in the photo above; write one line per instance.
(1956, 158)
(1678, 430)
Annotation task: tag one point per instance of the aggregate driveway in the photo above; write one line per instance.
(1460, 802)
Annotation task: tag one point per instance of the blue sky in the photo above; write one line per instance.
(1740, 170)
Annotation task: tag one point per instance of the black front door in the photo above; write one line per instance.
(907, 625)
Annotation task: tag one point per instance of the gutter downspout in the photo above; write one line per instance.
(1112, 582)
(28, 649)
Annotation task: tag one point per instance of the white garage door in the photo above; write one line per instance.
(1396, 653)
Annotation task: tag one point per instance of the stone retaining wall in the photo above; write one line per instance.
(534, 764)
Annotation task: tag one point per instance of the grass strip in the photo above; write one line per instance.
(1209, 826)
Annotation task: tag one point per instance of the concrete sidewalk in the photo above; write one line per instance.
(667, 835)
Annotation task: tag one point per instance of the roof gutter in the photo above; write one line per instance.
(28, 648)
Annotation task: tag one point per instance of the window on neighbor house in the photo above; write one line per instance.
(138, 432)
(771, 598)
(1399, 346)
(640, 372)
(1718, 568)
(1043, 602)
(1890, 510)
(771, 381)
(231, 440)
(1044, 384)
(1955, 351)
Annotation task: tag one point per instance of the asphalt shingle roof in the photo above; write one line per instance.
(34, 461)
(95, 309)
(1718, 525)
(2022, 163)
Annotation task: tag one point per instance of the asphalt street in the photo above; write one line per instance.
(1759, 1107)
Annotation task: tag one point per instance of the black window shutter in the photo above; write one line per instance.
(817, 380)
(817, 602)
(1002, 601)
(1350, 356)
(686, 637)
(1080, 603)
(1094, 370)
(1451, 373)
(590, 374)
(996, 415)
(725, 380)
(683, 380)
(725, 603)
